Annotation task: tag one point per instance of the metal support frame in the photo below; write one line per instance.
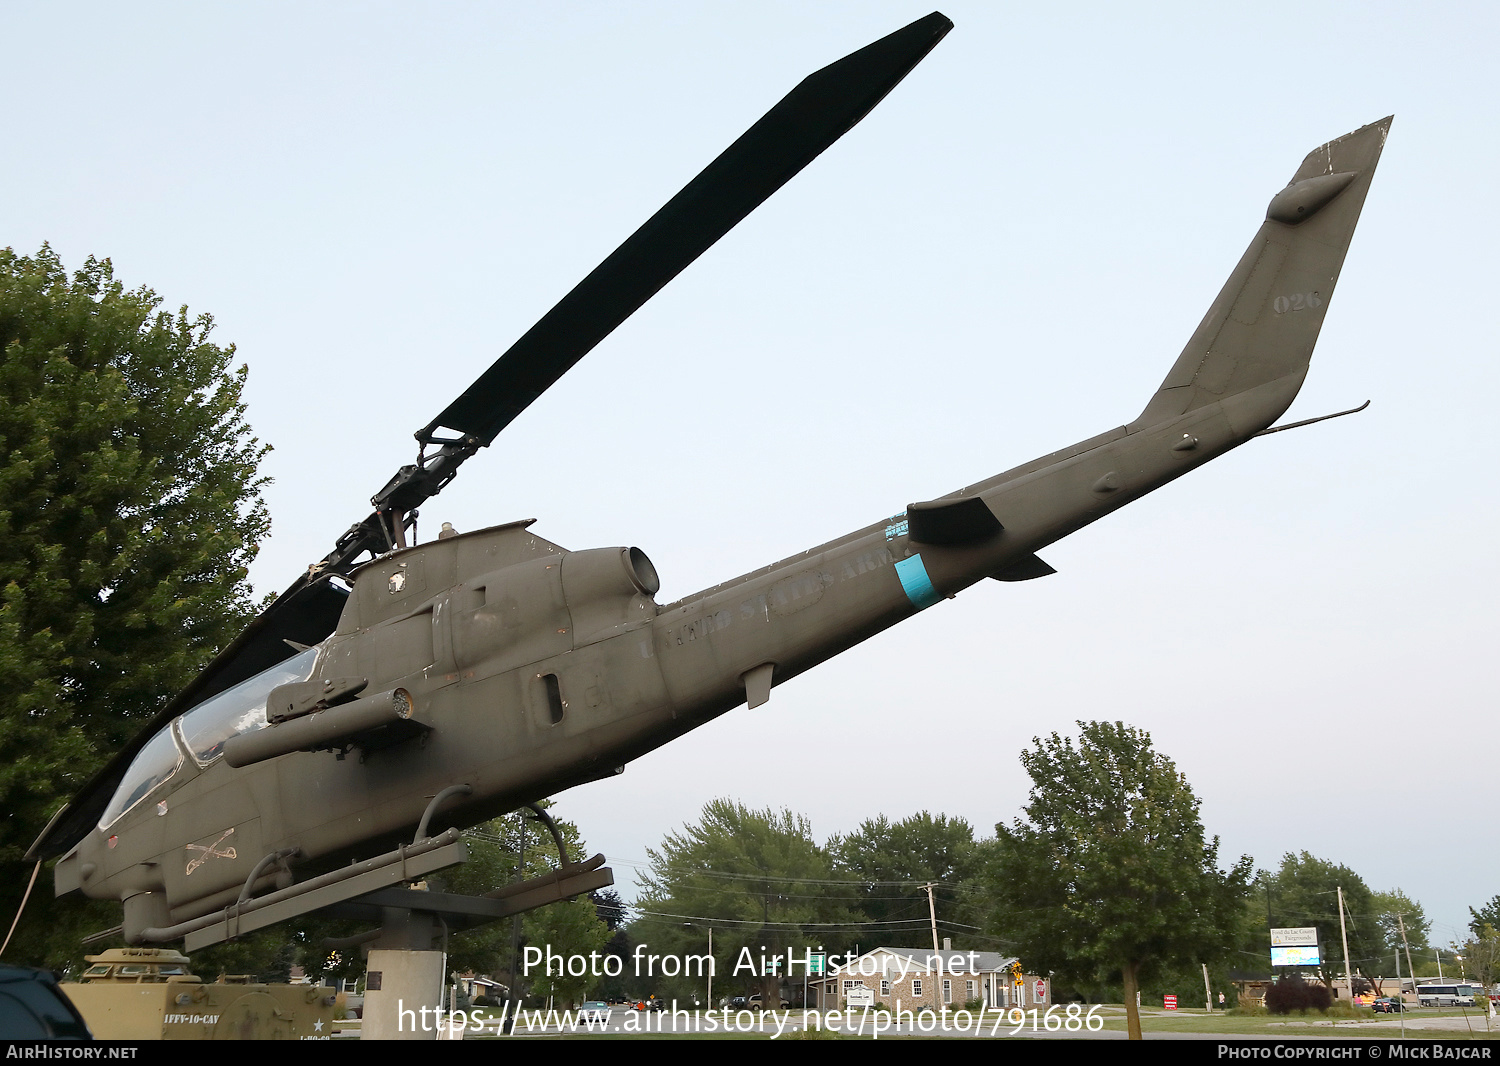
(407, 863)
(465, 912)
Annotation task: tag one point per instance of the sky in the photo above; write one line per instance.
(374, 200)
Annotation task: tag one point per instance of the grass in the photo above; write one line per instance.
(1350, 1021)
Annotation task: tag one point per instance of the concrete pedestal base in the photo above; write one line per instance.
(410, 983)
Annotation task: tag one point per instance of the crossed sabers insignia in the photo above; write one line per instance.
(210, 851)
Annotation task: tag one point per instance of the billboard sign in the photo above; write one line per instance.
(1303, 937)
(1296, 956)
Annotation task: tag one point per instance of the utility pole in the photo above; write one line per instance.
(1409, 971)
(710, 928)
(1344, 934)
(515, 930)
(932, 910)
(1400, 995)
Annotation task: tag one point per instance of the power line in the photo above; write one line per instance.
(742, 876)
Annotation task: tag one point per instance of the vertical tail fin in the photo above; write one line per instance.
(1262, 328)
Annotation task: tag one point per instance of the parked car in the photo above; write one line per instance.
(1388, 1005)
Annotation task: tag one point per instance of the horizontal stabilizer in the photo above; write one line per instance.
(958, 520)
(1023, 569)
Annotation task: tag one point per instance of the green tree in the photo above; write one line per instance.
(1110, 872)
(894, 860)
(1395, 911)
(1489, 914)
(614, 914)
(757, 878)
(1304, 891)
(572, 927)
(611, 908)
(266, 956)
(130, 508)
(1481, 957)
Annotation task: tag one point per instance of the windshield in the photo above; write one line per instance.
(158, 760)
(241, 708)
(204, 730)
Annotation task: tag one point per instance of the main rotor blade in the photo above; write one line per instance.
(792, 134)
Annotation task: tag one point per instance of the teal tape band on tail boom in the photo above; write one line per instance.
(917, 584)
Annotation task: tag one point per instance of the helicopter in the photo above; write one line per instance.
(399, 690)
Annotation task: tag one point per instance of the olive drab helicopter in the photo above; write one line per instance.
(399, 691)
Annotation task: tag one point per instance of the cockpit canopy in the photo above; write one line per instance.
(202, 731)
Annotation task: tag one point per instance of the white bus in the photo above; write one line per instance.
(1435, 995)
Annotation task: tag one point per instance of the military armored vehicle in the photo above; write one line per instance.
(152, 994)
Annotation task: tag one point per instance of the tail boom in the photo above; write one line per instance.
(1240, 371)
